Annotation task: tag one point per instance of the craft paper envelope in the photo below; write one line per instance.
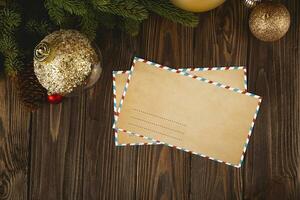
(233, 76)
(201, 116)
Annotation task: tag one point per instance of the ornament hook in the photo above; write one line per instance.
(42, 51)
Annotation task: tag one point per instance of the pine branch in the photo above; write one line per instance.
(9, 20)
(169, 11)
(74, 7)
(89, 24)
(125, 8)
(7, 44)
(40, 28)
(12, 65)
(10, 51)
(56, 13)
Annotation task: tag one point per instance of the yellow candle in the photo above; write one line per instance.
(197, 5)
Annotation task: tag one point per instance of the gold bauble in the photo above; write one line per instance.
(64, 60)
(197, 5)
(269, 21)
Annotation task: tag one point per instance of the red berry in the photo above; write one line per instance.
(55, 98)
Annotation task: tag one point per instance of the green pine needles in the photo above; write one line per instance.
(9, 22)
(33, 20)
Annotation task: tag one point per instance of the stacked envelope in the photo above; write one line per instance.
(204, 111)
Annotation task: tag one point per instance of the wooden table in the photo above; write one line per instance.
(83, 163)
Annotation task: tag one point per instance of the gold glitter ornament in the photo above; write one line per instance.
(65, 60)
(269, 21)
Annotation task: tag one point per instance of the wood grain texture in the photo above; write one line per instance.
(56, 166)
(221, 41)
(168, 170)
(14, 144)
(83, 163)
(274, 151)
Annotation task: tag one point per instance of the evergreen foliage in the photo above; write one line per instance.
(33, 20)
(9, 22)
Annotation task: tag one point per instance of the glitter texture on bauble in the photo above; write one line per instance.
(269, 21)
(63, 61)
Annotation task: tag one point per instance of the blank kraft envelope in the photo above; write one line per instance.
(233, 76)
(188, 112)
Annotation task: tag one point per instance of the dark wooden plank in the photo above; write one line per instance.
(109, 171)
(220, 40)
(14, 143)
(57, 164)
(163, 172)
(124, 172)
(272, 162)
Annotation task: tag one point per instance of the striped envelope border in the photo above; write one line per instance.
(184, 73)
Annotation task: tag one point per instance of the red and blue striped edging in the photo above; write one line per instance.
(191, 76)
(219, 68)
(206, 81)
(115, 106)
(116, 114)
(245, 78)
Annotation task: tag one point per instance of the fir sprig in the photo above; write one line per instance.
(129, 9)
(38, 27)
(10, 20)
(56, 14)
(76, 7)
(11, 53)
(89, 24)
